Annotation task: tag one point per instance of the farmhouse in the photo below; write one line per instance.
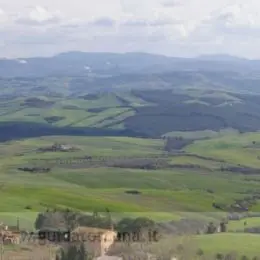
(108, 258)
(98, 241)
(9, 234)
(59, 148)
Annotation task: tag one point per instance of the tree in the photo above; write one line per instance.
(132, 225)
(219, 256)
(199, 252)
(73, 253)
(40, 221)
(179, 248)
(244, 257)
(230, 256)
(211, 228)
(82, 252)
(67, 219)
(223, 227)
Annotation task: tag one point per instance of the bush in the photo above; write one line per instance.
(73, 252)
(230, 256)
(200, 252)
(219, 256)
(132, 225)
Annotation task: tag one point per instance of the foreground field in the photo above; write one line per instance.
(208, 246)
(241, 244)
(84, 187)
(169, 193)
(211, 245)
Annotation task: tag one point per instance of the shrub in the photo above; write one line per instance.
(219, 256)
(200, 252)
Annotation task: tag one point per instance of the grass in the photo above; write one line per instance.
(113, 110)
(238, 225)
(165, 190)
(242, 244)
(235, 149)
(165, 194)
(202, 134)
(116, 119)
(221, 243)
(184, 160)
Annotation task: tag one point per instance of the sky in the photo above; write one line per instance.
(184, 28)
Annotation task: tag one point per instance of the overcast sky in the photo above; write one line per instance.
(170, 27)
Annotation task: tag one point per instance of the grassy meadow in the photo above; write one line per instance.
(167, 194)
(85, 188)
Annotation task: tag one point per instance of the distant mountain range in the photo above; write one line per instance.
(221, 57)
(113, 64)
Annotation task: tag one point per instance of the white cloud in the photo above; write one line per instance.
(170, 27)
(153, 21)
(172, 3)
(3, 17)
(237, 18)
(39, 15)
(104, 22)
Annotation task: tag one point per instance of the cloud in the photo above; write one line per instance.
(235, 19)
(39, 15)
(3, 16)
(172, 3)
(160, 21)
(166, 26)
(104, 22)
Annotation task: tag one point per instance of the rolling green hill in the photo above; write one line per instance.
(142, 113)
(175, 147)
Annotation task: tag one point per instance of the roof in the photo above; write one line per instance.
(91, 230)
(50, 229)
(13, 228)
(106, 257)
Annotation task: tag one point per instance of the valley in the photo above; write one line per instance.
(179, 151)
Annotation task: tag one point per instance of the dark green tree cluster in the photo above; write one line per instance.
(134, 225)
(68, 219)
(233, 256)
(73, 253)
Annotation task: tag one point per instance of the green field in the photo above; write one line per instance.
(73, 112)
(170, 191)
(165, 194)
(179, 147)
(241, 244)
(241, 149)
(210, 245)
(239, 224)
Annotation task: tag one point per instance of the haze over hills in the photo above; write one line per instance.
(82, 63)
(221, 57)
(130, 92)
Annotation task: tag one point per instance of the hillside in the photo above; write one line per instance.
(80, 64)
(133, 140)
(141, 113)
